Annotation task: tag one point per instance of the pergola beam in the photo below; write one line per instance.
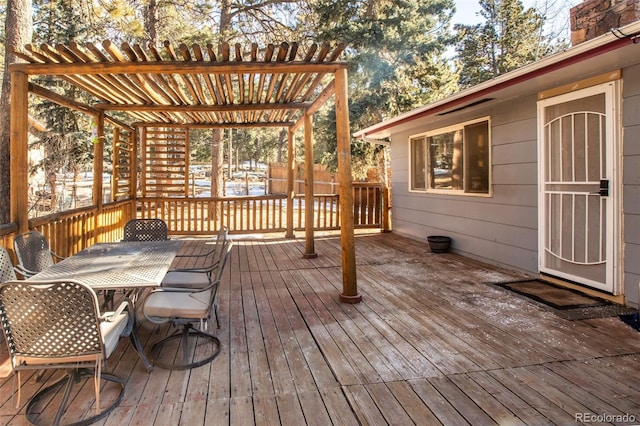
(175, 67)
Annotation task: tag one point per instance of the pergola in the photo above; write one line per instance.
(192, 87)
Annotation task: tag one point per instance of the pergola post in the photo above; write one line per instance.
(98, 162)
(309, 251)
(133, 172)
(349, 283)
(98, 169)
(19, 150)
(291, 166)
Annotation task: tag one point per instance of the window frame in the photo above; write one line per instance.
(465, 153)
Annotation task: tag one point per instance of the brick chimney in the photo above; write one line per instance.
(593, 18)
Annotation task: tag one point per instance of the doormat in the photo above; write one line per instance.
(567, 303)
(553, 295)
(632, 320)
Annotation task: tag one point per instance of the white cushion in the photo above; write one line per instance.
(111, 331)
(182, 279)
(168, 304)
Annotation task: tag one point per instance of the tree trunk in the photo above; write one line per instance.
(225, 16)
(217, 157)
(151, 22)
(18, 28)
(282, 145)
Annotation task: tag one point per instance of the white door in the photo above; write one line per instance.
(578, 217)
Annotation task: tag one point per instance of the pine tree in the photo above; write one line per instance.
(509, 38)
(66, 142)
(19, 29)
(396, 50)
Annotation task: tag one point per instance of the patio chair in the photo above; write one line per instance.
(7, 273)
(33, 253)
(146, 230)
(58, 325)
(199, 276)
(185, 307)
(221, 237)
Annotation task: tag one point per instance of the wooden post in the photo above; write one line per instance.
(187, 162)
(309, 246)
(386, 193)
(349, 282)
(98, 169)
(133, 163)
(386, 209)
(98, 163)
(19, 148)
(291, 165)
(143, 162)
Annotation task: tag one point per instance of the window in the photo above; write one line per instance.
(455, 159)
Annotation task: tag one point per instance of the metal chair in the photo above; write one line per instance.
(146, 230)
(7, 273)
(201, 278)
(33, 253)
(58, 325)
(185, 307)
(221, 238)
(198, 276)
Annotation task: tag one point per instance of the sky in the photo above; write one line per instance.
(558, 12)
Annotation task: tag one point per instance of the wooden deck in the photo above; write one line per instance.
(434, 341)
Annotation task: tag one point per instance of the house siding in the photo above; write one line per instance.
(501, 228)
(631, 183)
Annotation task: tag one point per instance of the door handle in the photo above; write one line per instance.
(604, 188)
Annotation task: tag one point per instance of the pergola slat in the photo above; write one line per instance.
(123, 85)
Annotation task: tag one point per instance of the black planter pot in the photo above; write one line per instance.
(439, 243)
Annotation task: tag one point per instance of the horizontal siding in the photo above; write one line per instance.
(501, 229)
(631, 183)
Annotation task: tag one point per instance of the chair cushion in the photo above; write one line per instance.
(168, 304)
(111, 331)
(183, 279)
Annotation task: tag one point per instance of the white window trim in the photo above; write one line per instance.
(456, 192)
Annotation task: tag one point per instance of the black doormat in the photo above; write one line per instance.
(632, 320)
(571, 304)
(552, 295)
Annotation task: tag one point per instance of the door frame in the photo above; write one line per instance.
(611, 89)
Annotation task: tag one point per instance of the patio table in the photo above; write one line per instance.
(127, 265)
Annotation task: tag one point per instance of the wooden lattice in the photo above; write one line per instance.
(165, 162)
(123, 164)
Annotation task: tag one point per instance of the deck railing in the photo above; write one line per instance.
(196, 216)
(70, 231)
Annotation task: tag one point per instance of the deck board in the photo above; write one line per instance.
(434, 341)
